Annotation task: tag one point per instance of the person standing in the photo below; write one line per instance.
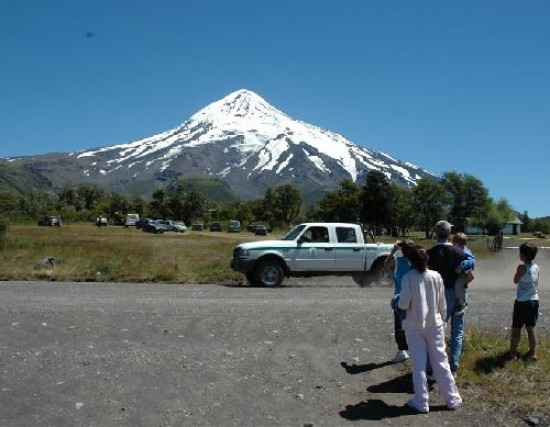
(423, 297)
(446, 259)
(465, 275)
(400, 265)
(526, 306)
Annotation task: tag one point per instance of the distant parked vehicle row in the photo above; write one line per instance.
(50, 221)
(159, 226)
(216, 226)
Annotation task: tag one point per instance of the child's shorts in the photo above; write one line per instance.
(526, 313)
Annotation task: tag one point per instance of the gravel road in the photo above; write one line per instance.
(312, 353)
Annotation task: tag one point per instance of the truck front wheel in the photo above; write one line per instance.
(269, 272)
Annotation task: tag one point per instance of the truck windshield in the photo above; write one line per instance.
(294, 233)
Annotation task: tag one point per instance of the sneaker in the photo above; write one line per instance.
(411, 405)
(400, 356)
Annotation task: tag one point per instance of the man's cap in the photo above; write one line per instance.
(443, 228)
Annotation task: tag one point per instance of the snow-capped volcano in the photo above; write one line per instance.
(244, 141)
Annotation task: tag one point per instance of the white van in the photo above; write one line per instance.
(131, 220)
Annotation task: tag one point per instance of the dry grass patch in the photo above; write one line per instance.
(83, 252)
(488, 379)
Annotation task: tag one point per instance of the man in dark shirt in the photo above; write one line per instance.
(445, 259)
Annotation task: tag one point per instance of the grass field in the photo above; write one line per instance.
(83, 252)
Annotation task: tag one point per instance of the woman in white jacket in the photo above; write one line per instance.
(423, 296)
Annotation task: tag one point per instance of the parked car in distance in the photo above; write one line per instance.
(156, 227)
(216, 226)
(234, 226)
(197, 226)
(131, 220)
(170, 225)
(539, 235)
(261, 230)
(142, 223)
(179, 226)
(50, 221)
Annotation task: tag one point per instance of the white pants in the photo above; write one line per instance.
(431, 342)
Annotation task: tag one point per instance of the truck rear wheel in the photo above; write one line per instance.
(377, 276)
(269, 272)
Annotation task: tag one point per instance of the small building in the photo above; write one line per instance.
(513, 227)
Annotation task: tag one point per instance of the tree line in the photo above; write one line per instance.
(380, 205)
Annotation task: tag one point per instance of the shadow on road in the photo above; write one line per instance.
(376, 409)
(358, 369)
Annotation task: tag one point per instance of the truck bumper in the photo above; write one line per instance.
(242, 264)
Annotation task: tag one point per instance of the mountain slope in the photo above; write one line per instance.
(241, 140)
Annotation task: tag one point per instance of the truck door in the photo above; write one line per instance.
(314, 251)
(350, 252)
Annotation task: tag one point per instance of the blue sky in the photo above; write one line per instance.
(458, 85)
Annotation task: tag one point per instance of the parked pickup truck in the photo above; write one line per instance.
(313, 249)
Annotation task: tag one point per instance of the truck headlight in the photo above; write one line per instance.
(241, 253)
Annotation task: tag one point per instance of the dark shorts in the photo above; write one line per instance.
(526, 313)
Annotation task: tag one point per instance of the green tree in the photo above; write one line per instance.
(524, 217)
(196, 205)
(9, 204)
(89, 195)
(376, 200)
(429, 201)
(157, 204)
(177, 201)
(38, 203)
(269, 207)
(496, 215)
(68, 197)
(288, 201)
(403, 211)
(340, 205)
(466, 194)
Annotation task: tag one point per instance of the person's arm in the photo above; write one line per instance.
(519, 273)
(389, 263)
(405, 296)
(441, 302)
(469, 261)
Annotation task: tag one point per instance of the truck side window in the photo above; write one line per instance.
(317, 234)
(346, 235)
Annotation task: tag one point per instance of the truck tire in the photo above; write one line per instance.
(269, 272)
(377, 276)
